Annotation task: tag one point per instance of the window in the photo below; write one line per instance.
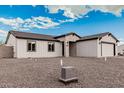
(51, 47)
(31, 46)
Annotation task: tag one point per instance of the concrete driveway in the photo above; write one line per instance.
(44, 72)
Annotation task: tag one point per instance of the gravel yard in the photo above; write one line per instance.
(44, 72)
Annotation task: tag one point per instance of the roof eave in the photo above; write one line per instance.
(114, 37)
(38, 39)
(7, 37)
(66, 35)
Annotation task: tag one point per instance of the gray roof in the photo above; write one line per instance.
(27, 35)
(34, 36)
(63, 35)
(96, 36)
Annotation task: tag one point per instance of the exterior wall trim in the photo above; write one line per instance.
(86, 39)
(107, 42)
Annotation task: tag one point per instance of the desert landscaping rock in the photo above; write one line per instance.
(45, 72)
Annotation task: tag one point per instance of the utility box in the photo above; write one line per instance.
(68, 74)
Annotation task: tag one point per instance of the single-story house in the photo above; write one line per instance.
(27, 45)
(121, 49)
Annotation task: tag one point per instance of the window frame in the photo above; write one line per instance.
(31, 41)
(52, 44)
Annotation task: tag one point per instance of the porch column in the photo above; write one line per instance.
(66, 43)
(116, 49)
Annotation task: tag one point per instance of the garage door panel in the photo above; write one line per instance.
(87, 48)
(107, 49)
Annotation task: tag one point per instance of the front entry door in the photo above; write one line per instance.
(72, 49)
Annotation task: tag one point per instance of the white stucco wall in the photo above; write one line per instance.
(69, 38)
(12, 42)
(108, 38)
(87, 48)
(41, 49)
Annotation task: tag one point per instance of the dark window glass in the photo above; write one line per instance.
(31, 46)
(51, 47)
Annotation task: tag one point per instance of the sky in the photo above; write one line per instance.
(56, 20)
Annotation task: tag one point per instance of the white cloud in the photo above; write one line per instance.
(69, 11)
(34, 5)
(3, 33)
(121, 41)
(86, 16)
(67, 20)
(14, 23)
(114, 9)
(77, 11)
(72, 12)
(44, 21)
(34, 22)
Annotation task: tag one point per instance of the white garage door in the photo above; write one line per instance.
(107, 49)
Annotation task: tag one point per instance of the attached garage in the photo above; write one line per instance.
(99, 45)
(107, 49)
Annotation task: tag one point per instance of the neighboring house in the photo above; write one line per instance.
(121, 49)
(38, 45)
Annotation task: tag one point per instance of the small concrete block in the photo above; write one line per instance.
(68, 74)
